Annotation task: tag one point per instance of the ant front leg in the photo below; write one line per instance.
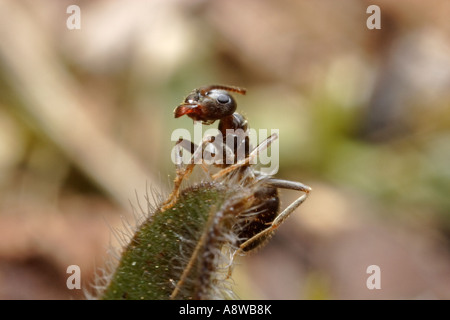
(190, 147)
(283, 184)
(184, 172)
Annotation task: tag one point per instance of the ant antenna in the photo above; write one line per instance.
(204, 90)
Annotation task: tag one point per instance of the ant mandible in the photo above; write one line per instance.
(215, 102)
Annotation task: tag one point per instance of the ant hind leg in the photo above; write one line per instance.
(280, 218)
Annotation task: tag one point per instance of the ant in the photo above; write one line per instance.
(215, 102)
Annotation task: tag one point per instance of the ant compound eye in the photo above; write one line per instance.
(223, 98)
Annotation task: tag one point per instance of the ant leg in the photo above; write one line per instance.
(284, 184)
(180, 171)
(191, 147)
(262, 146)
(183, 173)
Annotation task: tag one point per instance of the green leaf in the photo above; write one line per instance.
(177, 253)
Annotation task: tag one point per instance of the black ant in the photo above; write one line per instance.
(214, 102)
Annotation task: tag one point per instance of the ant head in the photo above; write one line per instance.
(209, 103)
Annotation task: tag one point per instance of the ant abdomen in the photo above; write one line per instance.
(267, 206)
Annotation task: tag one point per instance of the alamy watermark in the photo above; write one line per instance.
(213, 149)
(73, 22)
(74, 280)
(374, 280)
(374, 20)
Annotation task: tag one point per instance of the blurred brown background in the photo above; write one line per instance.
(364, 118)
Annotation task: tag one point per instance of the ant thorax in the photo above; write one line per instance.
(227, 145)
